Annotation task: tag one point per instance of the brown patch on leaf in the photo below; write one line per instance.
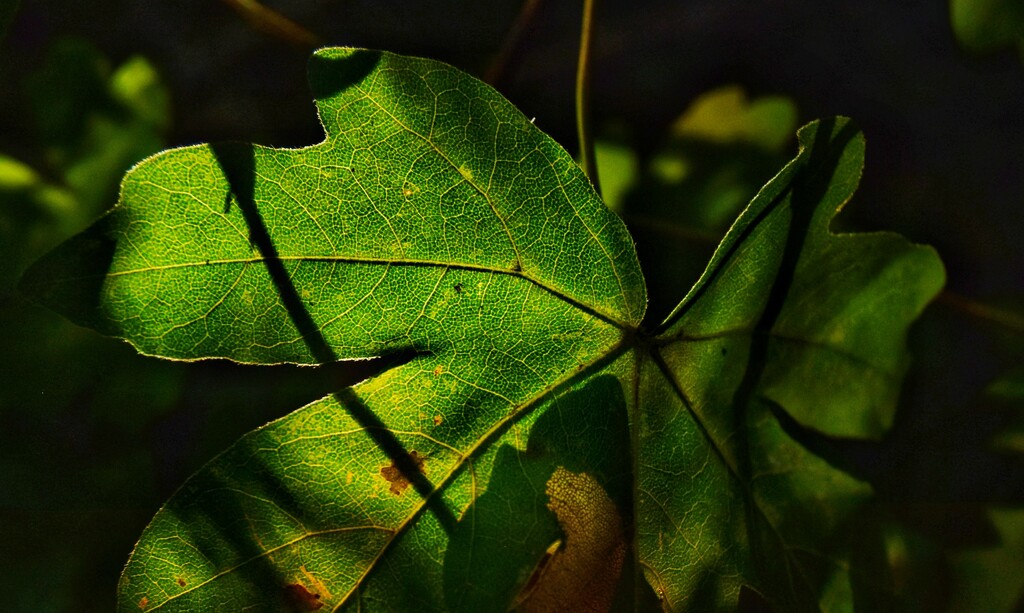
(144, 603)
(438, 371)
(437, 420)
(300, 598)
(398, 480)
(181, 582)
(582, 575)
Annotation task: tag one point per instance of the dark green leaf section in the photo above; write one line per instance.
(790, 327)
(834, 308)
(424, 170)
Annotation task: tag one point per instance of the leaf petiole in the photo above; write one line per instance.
(588, 158)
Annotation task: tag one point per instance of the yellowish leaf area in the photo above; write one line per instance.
(583, 574)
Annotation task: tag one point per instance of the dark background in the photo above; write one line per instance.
(93, 437)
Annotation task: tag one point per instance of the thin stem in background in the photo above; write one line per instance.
(274, 24)
(510, 46)
(588, 159)
(673, 230)
(979, 310)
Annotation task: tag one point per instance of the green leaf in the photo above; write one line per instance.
(536, 444)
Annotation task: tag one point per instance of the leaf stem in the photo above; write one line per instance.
(670, 229)
(588, 159)
(510, 46)
(979, 310)
(275, 24)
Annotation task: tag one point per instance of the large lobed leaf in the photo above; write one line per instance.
(538, 445)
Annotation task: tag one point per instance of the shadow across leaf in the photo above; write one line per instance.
(237, 162)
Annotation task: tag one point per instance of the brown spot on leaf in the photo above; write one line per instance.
(398, 480)
(438, 371)
(181, 582)
(437, 420)
(144, 602)
(301, 599)
(583, 574)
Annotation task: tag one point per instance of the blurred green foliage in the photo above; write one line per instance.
(983, 26)
(990, 576)
(93, 123)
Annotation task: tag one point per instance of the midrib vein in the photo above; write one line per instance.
(598, 312)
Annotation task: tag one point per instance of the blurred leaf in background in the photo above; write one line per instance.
(93, 123)
(990, 576)
(983, 26)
